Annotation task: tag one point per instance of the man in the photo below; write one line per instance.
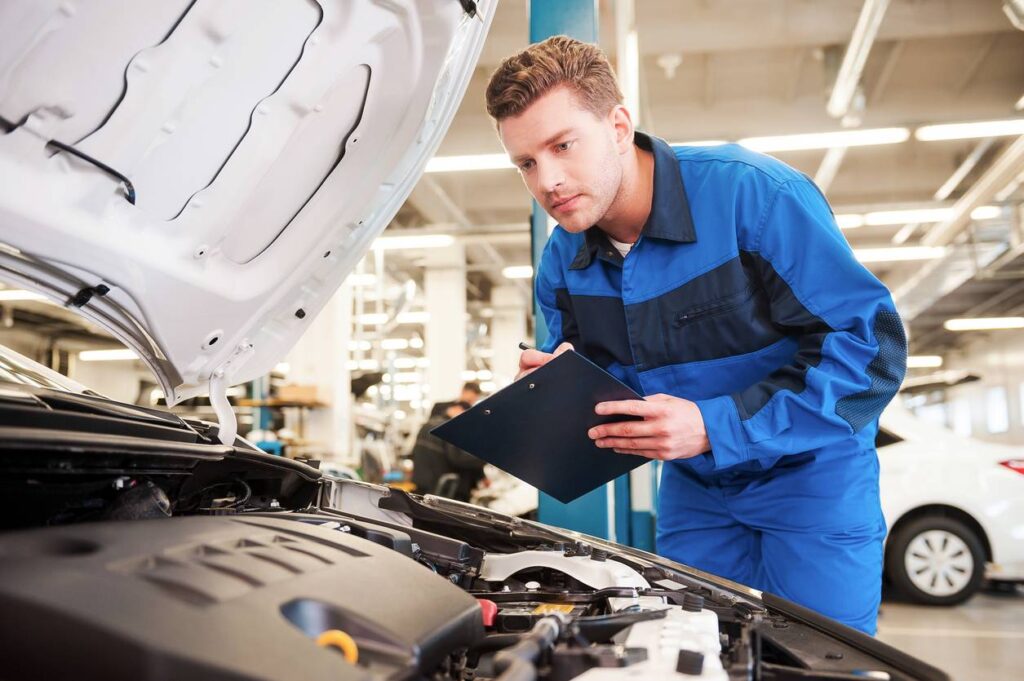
(470, 394)
(715, 282)
(433, 458)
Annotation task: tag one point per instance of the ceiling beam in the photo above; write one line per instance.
(1002, 171)
(856, 57)
(891, 60)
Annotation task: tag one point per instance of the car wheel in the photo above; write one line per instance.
(936, 560)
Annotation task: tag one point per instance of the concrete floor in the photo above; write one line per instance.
(981, 640)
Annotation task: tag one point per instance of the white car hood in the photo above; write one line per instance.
(269, 142)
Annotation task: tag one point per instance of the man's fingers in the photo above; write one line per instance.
(531, 359)
(637, 452)
(564, 347)
(629, 407)
(525, 372)
(627, 429)
(631, 443)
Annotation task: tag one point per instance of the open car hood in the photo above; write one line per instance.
(199, 177)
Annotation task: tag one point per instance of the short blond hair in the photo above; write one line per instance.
(560, 60)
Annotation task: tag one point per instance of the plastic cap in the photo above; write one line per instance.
(489, 610)
(693, 603)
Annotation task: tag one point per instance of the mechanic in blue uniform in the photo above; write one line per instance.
(715, 282)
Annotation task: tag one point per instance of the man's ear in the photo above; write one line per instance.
(622, 124)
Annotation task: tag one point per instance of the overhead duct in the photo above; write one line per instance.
(1002, 172)
(856, 57)
(1014, 10)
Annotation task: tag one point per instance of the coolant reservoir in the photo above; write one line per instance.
(684, 645)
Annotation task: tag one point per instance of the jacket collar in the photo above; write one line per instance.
(670, 217)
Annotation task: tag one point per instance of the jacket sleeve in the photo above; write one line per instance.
(850, 346)
(554, 302)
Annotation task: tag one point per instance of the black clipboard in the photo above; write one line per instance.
(536, 428)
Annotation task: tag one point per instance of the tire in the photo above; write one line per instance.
(936, 560)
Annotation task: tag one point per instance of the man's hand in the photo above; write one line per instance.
(673, 428)
(532, 360)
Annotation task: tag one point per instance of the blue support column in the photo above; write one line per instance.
(605, 512)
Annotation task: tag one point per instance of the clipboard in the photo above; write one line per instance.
(536, 428)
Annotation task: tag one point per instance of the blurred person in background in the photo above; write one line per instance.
(433, 458)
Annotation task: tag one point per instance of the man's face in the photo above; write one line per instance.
(568, 157)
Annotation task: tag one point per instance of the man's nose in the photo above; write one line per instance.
(550, 176)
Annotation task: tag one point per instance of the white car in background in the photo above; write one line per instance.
(954, 507)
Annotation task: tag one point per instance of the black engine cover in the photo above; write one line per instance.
(220, 598)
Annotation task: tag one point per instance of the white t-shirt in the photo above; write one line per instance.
(621, 247)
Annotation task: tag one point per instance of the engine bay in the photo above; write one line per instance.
(208, 564)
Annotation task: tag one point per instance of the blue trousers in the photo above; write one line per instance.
(809, 529)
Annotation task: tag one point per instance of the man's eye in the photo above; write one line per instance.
(564, 146)
(525, 165)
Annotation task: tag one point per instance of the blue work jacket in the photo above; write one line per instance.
(741, 295)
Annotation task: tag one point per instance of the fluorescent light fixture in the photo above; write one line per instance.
(359, 345)
(405, 363)
(974, 130)
(484, 375)
(518, 272)
(849, 220)
(413, 317)
(371, 318)
(488, 386)
(924, 362)
(827, 140)
(395, 344)
(984, 323)
(392, 243)
(11, 295)
(902, 217)
(468, 375)
(365, 279)
(369, 365)
(416, 343)
(454, 164)
(915, 216)
(282, 367)
(121, 354)
(898, 253)
(407, 377)
(986, 213)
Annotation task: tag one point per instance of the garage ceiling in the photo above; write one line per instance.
(765, 67)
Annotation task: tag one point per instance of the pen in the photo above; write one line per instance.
(524, 346)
